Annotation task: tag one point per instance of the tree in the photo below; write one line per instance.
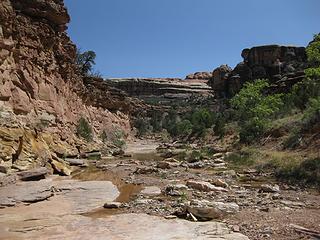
(201, 120)
(254, 109)
(85, 62)
(310, 86)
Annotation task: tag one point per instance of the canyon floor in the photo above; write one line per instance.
(148, 194)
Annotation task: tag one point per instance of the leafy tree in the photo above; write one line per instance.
(310, 86)
(85, 62)
(254, 109)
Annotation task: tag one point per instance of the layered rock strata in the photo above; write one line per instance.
(166, 87)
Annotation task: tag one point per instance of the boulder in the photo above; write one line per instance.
(175, 189)
(269, 188)
(118, 152)
(75, 161)
(111, 205)
(95, 155)
(211, 210)
(33, 174)
(204, 186)
(25, 192)
(145, 170)
(151, 191)
(4, 169)
(163, 165)
(219, 183)
(60, 167)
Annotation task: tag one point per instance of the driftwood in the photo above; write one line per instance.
(310, 232)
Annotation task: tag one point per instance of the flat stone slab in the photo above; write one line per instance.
(25, 192)
(123, 226)
(88, 195)
(33, 174)
(81, 196)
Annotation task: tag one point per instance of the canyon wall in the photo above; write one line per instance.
(42, 95)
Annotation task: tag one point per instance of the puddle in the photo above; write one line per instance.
(127, 191)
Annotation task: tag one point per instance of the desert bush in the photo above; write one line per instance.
(84, 129)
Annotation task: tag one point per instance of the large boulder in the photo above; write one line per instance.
(33, 174)
(211, 210)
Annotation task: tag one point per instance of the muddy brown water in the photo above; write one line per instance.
(127, 191)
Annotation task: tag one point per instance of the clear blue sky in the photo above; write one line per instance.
(172, 38)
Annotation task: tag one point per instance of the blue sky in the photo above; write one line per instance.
(172, 38)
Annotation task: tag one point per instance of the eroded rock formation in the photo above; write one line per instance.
(42, 96)
(166, 87)
(282, 65)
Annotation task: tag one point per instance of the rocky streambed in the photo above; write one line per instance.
(150, 193)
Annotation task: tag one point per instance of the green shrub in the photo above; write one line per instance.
(306, 172)
(184, 128)
(84, 129)
(294, 139)
(311, 115)
(245, 157)
(303, 91)
(118, 139)
(156, 121)
(219, 125)
(142, 125)
(254, 110)
(201, 120)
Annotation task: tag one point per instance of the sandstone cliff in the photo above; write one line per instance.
(41, 94)
(282, 65)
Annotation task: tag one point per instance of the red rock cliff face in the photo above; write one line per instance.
(39, 84)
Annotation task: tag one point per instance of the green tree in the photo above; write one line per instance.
(254, 110)
(85, 62)
(310, 86)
